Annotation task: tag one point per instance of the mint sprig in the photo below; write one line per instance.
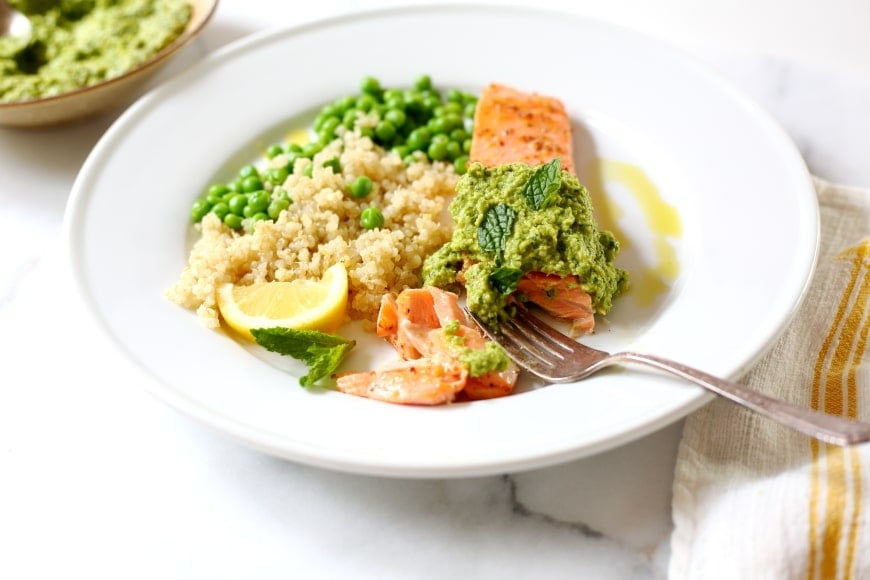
(322, 352)
(495, 228)
(543, 184)
(505, 279)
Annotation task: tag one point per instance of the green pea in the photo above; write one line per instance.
(248, 211)
(233, 221)
(365, 102)
(294, 148)
(437, 125)
(454, 150)
(276, 175)
(385, 131)
(274, 151)
(199, 209)
(259, 200)
(330, 109)
(455, 95)
(401, 150)
(392, 94)
(251, 183)
(396, 116)
(413, 103)
(423, 83)
(308, 170)
(469, 110)
(409, 159)
(452, 107)
(217, 190)
(437, 151)
(277, 206)
(259, 216)
(395, 104)
(343, 104)
(418, 138)
(220, 209)
(371, 218)
(430, 103)
(460, 164)
(367, 132)
(370, 85)
(335, 164)
(311, 149)
(360, 187)
(452, 121)
(349, 118)
(458, 135)
(237, 203)
(280, 193)
(466, 146)
(248, 171)
(327, 129)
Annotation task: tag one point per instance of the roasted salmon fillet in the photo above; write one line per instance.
(512, 126)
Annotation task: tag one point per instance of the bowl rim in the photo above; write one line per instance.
(190, 32)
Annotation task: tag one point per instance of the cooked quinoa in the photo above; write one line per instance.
(322, 227)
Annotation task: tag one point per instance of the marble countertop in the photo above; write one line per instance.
(103, 480)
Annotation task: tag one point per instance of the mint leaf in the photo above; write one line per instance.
(543, 184)
(322, 352)
(505, 279)
(495, 228)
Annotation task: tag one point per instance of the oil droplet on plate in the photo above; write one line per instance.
(662, 219)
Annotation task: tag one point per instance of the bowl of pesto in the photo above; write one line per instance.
(85, 57)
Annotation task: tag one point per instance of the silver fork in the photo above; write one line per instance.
(556, 358)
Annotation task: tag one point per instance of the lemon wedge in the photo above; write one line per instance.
(298, 304)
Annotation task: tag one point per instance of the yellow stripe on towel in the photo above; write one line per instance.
(834, 383)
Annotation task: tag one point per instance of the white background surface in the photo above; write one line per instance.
(100, 480)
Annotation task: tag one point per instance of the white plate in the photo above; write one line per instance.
(744, 197)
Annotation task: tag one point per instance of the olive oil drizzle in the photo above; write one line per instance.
(650, 282)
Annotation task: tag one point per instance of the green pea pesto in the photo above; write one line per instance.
(78, 43)
(491, 357)
(500, 235)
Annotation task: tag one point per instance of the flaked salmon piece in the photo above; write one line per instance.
(428, 381)
(488, 385)
(561, 297)
(388, 316)
(435, 343)
(511, 126)
(428, 307)
(431, 372)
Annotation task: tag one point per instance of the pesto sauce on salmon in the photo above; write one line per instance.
(514, 219)
(479, 361)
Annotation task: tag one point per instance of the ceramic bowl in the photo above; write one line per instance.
(108, 95)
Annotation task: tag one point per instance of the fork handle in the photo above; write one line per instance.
(829, 428)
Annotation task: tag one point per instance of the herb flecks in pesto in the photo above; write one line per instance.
(555, 234)
(78, 43)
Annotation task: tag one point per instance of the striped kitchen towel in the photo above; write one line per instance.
(753, 499)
